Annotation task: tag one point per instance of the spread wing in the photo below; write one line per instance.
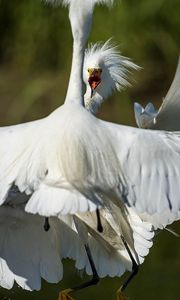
(29, 160)
(19, 152)
(150, 162)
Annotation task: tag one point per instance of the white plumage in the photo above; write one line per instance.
(165, 118)
(116, 69)
(62, 240)
(27, 252)
(87, 167)
(71, 151)
(109, 254)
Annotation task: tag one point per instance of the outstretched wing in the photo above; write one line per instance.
(30, 161)
(150, 162)
(21, 157)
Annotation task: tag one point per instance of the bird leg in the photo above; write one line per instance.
(64, 295)
(46, 224)
(99, 224)
(135, 268)
(92, 91)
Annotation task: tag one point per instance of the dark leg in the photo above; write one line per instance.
(46, 224)
(135, 266)
(95, 279)
(135, 269)
(99, 224)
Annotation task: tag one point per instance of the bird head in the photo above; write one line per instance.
(105, 71)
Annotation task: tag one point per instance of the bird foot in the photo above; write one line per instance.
(120, 295)
(64, 295)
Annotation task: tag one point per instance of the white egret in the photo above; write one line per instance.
(57, 243)
(70, 159)
(112, 70)
(54, 159)
(167, 116)
(109, 173)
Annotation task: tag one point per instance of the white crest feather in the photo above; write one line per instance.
(115, 71)
(114, 63)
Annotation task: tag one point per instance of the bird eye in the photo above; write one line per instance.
(88, 70)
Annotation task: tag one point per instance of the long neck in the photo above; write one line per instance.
(75, 87)
(80, 16)
(92, 104)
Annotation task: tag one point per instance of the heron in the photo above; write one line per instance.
(63, 173)
(56, 243)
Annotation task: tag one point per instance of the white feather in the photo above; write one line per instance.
(108, 244)
(50, 158)
(27, 252)
(151, 164)
(115, 70)
(50, 201)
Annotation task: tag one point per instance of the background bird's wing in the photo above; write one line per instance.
(169, 112)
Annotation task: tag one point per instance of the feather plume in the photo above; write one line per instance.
(115, 71)
(118, 66)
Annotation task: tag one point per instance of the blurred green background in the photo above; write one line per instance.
(35, 59)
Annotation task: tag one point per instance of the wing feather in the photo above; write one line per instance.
(150, 162)
(27, 252)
